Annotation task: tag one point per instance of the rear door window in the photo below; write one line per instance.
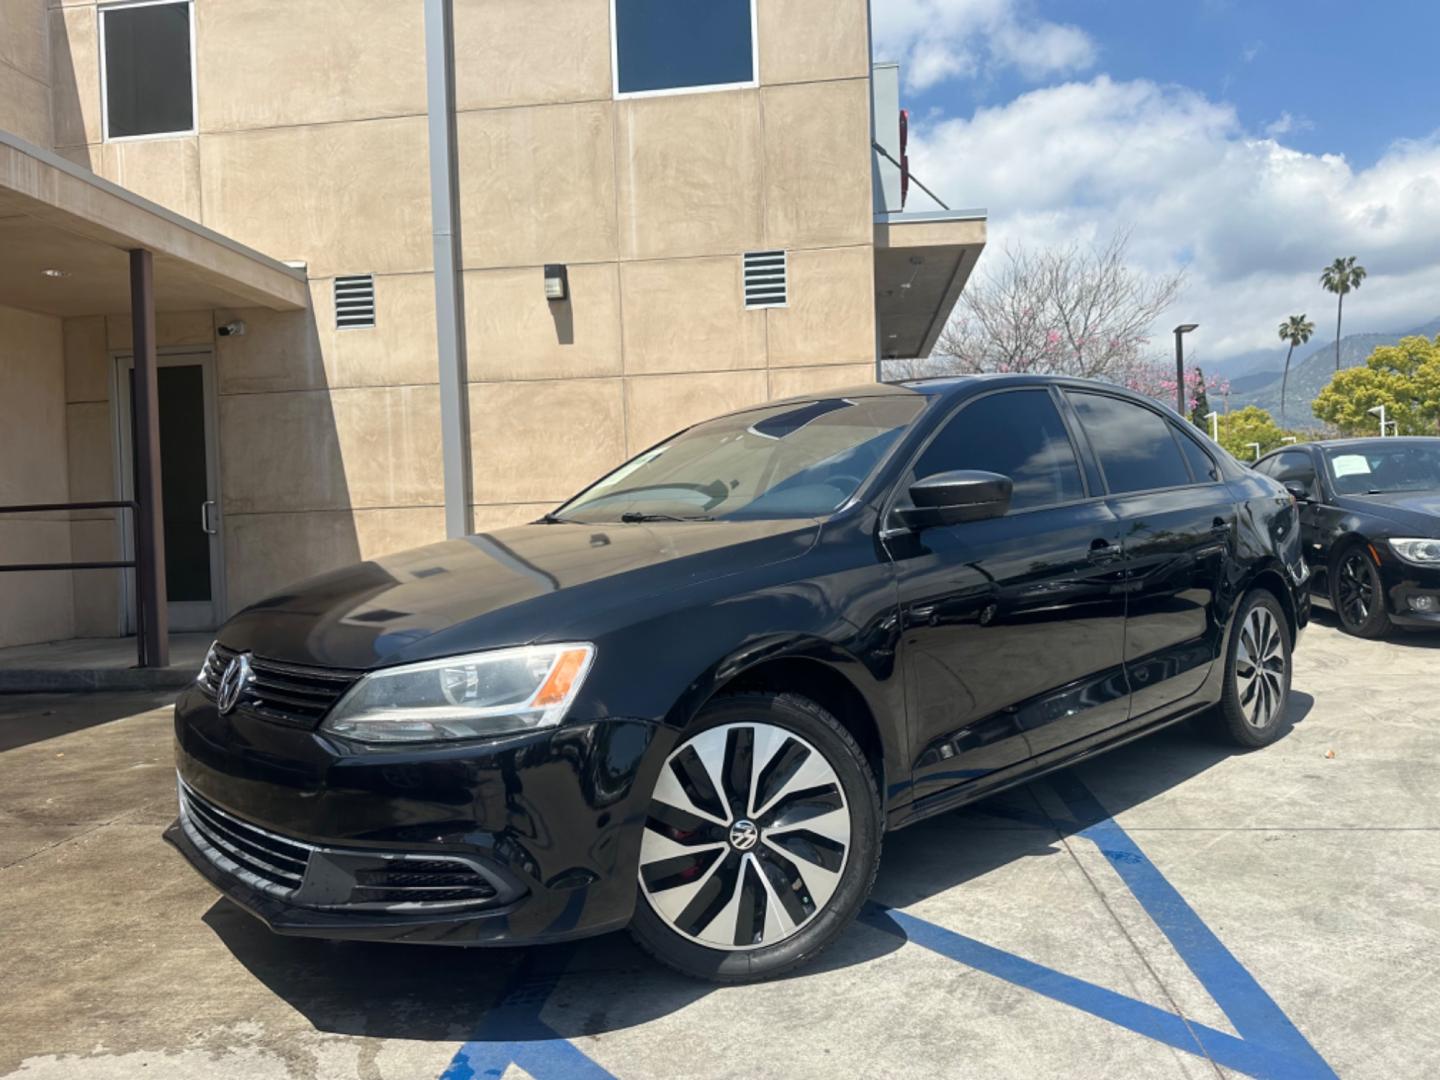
(1135, 446)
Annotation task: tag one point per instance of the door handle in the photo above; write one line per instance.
(205, 526)
(1102, 551)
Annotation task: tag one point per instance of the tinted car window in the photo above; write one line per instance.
(1296, 466)
(1017, 434)
(1202, 465)
(1136, 449)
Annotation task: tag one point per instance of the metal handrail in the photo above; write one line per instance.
(118, 564)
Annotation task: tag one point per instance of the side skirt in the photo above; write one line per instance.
(1062, 758)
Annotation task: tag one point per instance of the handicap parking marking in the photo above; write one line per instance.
(1267, 1045)
(512, 1032)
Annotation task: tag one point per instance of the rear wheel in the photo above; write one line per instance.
(1257, 673)
(1357, 594)
(762, 840)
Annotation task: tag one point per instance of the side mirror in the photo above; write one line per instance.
(1298, 491)
(950, 498)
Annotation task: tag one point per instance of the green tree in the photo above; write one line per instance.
(1252, 424)
(1340, 277)
(1405, 378)
(1296, 330)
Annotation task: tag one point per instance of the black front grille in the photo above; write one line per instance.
(269, 862)
(421, 881)
(286, 693)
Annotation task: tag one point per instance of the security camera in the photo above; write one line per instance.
(232, 329)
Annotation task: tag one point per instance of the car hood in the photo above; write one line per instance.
(510, 587)
(1418, 511)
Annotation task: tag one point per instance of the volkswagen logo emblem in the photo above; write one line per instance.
(744, 835)
(233, 683)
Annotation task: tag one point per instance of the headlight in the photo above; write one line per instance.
(1424, 552)
(203, 675)
(464, 697)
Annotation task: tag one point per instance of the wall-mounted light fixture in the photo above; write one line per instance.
(557, 281)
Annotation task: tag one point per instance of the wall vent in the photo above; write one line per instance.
(354, 301)
(766, 279)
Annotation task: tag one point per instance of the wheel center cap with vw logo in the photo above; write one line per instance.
(233, 683)
(744, 835)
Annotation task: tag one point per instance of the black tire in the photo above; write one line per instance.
(799, 722)
(1357, 594)
(1257, 673)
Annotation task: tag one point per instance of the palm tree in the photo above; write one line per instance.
(1296, 330)
(1340, 277)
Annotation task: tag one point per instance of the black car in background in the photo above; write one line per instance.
(692, 699)
(1370, 522)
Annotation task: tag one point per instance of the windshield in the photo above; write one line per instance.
(1380, 467)
(784, 461)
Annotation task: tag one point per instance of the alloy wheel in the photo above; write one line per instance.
(1260, 667)
(747, 837)
(1355, 589)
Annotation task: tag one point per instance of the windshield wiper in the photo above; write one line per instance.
(556, 519)
(635, 517)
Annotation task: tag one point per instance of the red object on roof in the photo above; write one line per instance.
(904, 156)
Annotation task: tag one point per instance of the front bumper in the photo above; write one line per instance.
(291, 825)
(1404, 582)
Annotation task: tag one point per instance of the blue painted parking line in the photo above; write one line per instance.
(1268, 1046)
(513, 1033)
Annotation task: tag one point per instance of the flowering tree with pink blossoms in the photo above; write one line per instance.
(1157, 380)
(1067, 311)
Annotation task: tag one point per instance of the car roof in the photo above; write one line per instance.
(951, 386)
(1389, 439)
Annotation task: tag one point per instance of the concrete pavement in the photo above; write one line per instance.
(1172, 909)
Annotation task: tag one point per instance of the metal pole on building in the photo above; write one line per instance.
(1180, 332)
(154, 630)
(449, 278)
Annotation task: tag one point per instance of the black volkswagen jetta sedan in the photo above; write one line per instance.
(1370, 524)
(692, 699)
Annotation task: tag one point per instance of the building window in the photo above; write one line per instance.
(679, 46)
(147, 69)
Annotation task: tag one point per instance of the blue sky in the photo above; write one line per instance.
(1247, 143)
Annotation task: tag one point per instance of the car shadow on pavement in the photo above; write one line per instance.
(1399, 635)
(439, 993)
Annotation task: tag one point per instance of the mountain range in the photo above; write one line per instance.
(1310, 372)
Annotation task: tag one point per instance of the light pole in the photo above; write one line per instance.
(1256, 445)
(1180, 332)
(1379, 411)
(1214, 418)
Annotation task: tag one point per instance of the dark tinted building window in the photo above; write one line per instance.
(1018, 434)
(147, 70)
(678, 44)
(1135, 446)
(1201, 464)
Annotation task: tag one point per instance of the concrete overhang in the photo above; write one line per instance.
(56, 216)
(922, 261)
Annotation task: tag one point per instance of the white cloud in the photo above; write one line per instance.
(937, 40)
(1286, 124)
(1251, 219)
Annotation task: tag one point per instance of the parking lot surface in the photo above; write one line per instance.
(1171, 909)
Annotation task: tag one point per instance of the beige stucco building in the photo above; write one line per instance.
(297, 171)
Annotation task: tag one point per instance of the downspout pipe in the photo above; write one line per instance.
(449, 275)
